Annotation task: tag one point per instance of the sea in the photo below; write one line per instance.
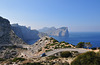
(76, 37)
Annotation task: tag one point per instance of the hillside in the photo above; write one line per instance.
(46, 44)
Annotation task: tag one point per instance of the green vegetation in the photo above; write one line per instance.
(48, 50)
(51, 38)
(80, 45)
(66, 54)
(57, 63)
(32, 64)
(75, 51)
(52, 44)
(83, 44)
(18, 59)
(46, 47)
(11, 47)
(98, 53)
(53, 57)
(88, 44)
(64, 42)
(1, 59)
(54, 40)
(56, 47)
(46, 38)
(93, 48)
(88, 58)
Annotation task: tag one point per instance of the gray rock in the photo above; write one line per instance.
(7, 36)
(25, 33)
(60, 32)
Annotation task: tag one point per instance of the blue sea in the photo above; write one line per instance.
(76, 37)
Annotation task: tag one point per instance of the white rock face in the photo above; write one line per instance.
(60, 32)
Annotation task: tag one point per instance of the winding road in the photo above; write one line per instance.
(80, 50)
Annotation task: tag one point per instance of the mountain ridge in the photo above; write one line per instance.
(52, 31)
(26, 33)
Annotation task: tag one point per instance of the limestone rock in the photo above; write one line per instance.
(60, 32)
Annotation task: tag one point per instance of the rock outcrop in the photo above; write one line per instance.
(7, 36)
(10, 44)
(60, 32)
(25, 33)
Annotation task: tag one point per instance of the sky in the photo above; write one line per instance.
(77, 15)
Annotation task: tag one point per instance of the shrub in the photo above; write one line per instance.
(53, 57)
(65, 46)
(66, 43)
(46, 47)
(56, 47)
(62, 42)
(32, 64)
(60, 63)
(93, 48)
(66, 54)
(75, 51)
(1, 59)
(48, 50)
(55, 41)
(69, 46)
(98, 54)
(88, 44)
(51, 38)
(46, 38)
(62, 46)
(52, 44)
(18, 59)
(88, 58)
(80, 45)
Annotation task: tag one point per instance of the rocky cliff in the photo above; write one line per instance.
(60, 32)
(7, 36)
(10, 44)
(25, 33)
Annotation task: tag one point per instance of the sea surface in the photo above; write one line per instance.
(76, 37)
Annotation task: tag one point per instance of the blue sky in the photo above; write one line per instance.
(77, 15)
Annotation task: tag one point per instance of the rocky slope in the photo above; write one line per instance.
(7, 36)
(46, 44)
(27, 34)
(10, 44)
(59, 32)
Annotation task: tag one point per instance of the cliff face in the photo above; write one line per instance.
(60, 32)
(7, 36)
(10, 44)
(26, 33)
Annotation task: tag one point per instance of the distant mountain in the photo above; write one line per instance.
(59, 32)
(25, 33)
